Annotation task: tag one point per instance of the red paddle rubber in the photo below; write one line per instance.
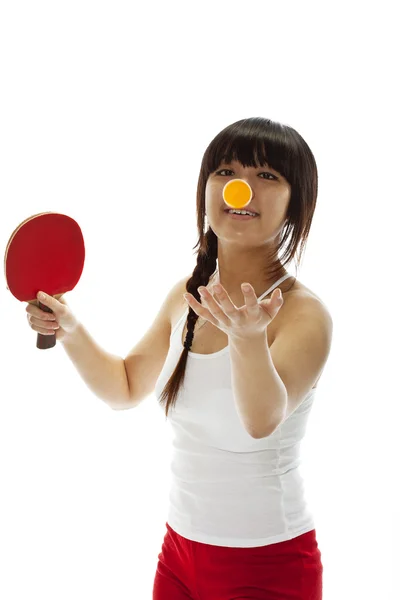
(44, 342)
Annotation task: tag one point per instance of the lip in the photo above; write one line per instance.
(250, 209)
(235, 217)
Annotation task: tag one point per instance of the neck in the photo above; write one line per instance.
(232, 281)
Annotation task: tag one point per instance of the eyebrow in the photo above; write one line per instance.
(266, 166)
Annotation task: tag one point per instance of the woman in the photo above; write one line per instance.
(240, 378)
(236, 374)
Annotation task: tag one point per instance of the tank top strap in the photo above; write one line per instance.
(184, 315)
(180, 321)
(273, 286)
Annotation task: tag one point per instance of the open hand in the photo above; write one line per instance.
(247, 321)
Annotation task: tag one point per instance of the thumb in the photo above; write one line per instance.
(278, 296)
(275, 300)
(273, 304)
(47, 300)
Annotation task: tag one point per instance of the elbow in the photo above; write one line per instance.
(258, 433)
(261, 436)
(264, 429)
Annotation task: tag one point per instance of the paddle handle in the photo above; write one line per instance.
(44, 342)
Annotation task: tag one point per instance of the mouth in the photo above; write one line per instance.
(240, 217)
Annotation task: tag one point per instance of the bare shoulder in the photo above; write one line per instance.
(300, 299)
(302, 303)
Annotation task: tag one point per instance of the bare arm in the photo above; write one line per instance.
(103, 373)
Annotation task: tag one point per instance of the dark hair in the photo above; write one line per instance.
(252, 142)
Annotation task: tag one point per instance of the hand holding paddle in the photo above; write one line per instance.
(58, 324)
(45, 253)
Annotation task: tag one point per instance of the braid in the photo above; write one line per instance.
(206, 265)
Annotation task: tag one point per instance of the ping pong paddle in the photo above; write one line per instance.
(45, 252)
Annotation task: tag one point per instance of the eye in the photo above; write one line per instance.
(267, 173)
(220, 172)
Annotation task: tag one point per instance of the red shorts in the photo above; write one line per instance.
(188, 570)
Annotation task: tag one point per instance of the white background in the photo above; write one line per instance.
(106, 109)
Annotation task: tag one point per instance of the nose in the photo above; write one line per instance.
(237, 193)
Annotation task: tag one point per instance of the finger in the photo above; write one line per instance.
(43, 330)
(272, 305)
(199, 309)
(224, 300)
(48, 301)
(215, 308)
(37, 312)
(250, 298)
(276, 298)
(49, 325)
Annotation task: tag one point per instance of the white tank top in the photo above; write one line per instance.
(227, 488)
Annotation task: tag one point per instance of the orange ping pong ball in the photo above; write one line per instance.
(237, 193)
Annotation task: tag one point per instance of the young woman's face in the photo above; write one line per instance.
(271, 197)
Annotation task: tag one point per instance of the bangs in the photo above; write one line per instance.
(254, 143)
